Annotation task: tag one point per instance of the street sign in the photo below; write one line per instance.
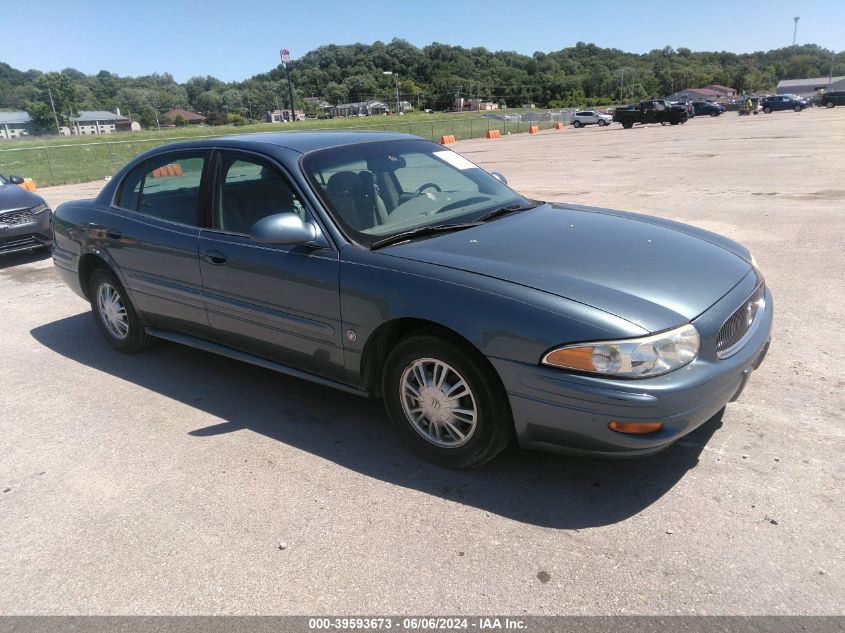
(285, 56)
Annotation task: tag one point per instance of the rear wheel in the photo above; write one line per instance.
(446, 402)
(627, 123)
(576, 124)
(116, 318)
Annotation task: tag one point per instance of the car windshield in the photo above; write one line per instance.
(381, 189)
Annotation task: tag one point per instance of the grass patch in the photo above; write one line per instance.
(55, 160)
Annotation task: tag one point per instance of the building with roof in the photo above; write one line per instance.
(695, 94)
(14, 125)
(723, 91)
(191, 118)
(99, 122)
(361, 108)
(283, 116)
(89, 122)
(810, 86)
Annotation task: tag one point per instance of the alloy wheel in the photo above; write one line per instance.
(438, 402)
(112, 311)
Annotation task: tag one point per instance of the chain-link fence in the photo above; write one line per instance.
(84, 162)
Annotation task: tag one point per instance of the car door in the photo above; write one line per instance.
(153, 237)
(279, 302)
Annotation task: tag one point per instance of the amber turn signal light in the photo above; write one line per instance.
(635, 428)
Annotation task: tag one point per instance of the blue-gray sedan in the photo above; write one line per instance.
(389, 266)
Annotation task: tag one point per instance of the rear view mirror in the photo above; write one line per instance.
(16, 180)
(283, 228)
(499, 177)
(385, 162)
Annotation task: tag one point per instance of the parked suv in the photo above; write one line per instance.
(833, 98)
(588, 117)
(702, 107)
(784, 102)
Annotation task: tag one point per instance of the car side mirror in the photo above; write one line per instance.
(499, 177)
(283, 229)
(16, 180)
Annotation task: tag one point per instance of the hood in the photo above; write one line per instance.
(14, 197)
(652, 272)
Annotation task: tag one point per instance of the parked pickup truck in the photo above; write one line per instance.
(651, 111)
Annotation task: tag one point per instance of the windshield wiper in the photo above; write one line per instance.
(421, 231)
(505, 210)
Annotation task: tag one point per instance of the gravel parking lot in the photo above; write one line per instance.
(177, 482)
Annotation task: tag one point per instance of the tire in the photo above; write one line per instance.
(627, 123)
(602, 122)
(674, 122)
(576, 124)
(767, 110)
(829, 104)
(115, 316)
(798, 108)
(455, 440)
(714, 114)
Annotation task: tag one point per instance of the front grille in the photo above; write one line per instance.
(733, 333)
(18, 244)
(21, 216)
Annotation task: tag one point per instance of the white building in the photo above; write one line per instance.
(361, 108)
(98, 122)
(14, 125)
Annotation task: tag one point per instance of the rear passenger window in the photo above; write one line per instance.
(166, 187)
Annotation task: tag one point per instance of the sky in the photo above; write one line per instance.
(235, 39)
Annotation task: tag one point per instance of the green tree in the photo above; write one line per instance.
(64, 97)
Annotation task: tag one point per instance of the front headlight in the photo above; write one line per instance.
(630, 358)
(39, 209)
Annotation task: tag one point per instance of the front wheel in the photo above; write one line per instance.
(602, 122)
(446, 402)
(767, 110)
(798, 108)
(829, 104)
(116, 318)
(628, 123)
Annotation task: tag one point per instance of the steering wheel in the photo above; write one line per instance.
(422, 188)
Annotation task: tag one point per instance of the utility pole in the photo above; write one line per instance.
(830, 72)
(285, 53)
(795, 32)
(53, 105)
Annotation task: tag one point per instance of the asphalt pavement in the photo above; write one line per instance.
(178, 482)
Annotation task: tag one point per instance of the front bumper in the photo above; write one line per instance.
(23, 236)
(559, 411)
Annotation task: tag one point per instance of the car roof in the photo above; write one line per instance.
(302, 142)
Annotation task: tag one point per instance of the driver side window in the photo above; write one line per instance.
(249, 190)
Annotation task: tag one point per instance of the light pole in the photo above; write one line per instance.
(285, 53)
(795, 32)
(396, 77)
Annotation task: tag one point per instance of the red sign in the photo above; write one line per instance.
(285, 56)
